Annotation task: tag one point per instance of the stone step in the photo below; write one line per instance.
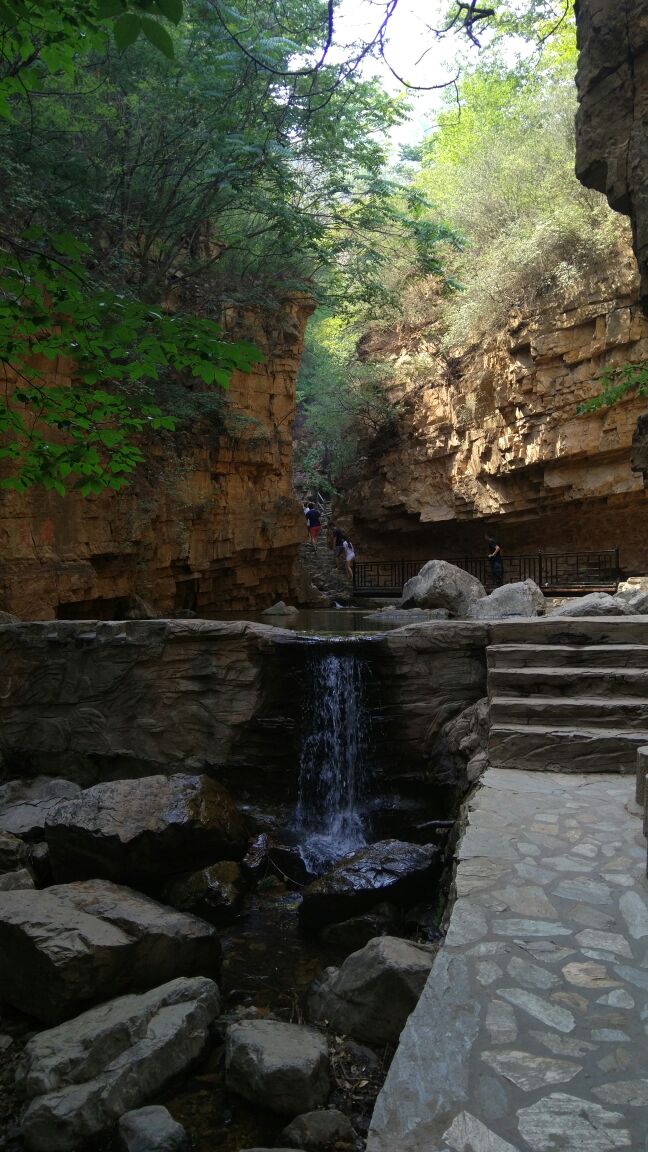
(618, 712)
(568, 656)
(546, 748)
(557, 682)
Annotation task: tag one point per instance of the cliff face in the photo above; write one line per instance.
(612, 123)
(494, 440)
(210, 522)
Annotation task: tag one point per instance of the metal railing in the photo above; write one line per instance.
(572, 571)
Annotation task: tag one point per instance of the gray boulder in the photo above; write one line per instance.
(26, 804)
(522, 598)
(595, 604)
(442, 585)
(14, 853)
(152, 1129)
(140, 830)
(320, 1131)
(280, 609)
(16, 881)
(371, 995)
(83, 1075)
(75, 944)
(9, 618)
(350, 935)
(390, 870)
(632, 595)
(215, 893)
(284, 1067)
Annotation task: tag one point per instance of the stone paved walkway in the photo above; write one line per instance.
(530, 1035)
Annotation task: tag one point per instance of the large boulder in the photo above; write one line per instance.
(141, 830)
(522, 598)
(350, 935)
(72, 945)
(442, 585)
(390, 870)
(284, 1067)
(280, 609)
(595, 604)
(152, 1129)
(320, 1131)
(215, 893)
(632, 595)
(374, 991)
(83, 1075)
(25, 805)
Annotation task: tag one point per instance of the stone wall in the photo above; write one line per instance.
(612, 123)
(492, 439)
(209, 522)
(111, 700)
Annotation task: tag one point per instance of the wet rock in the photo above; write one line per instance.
(152, 1129)
(632, 595)
(350, 935)
(423, 919)
(215, 893)
(26, 804)
(83, 1075)
(284, 1067)
(391, 869)
(285, 861)
(280, 609)
(14, 853)
(442, 585)
(595, 604)
(75, 944)
(320, 1131)
(140, 830)
(400, 616)
(371, 995)
(19, 880)
(522, 598)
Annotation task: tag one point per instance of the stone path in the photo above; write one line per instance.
(530, 1035)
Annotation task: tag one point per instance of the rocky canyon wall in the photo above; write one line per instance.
(612, 122)
(492, 439)
(208, 523)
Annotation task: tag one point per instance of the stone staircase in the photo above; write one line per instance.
(568, 695)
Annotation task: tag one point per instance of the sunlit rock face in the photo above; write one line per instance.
(209, 522)
(492, 441)
(612, 124)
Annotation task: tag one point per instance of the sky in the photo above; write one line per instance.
(413, 53)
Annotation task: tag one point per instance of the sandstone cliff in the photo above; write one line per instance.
(210, 522)
(612, 123)
(492, 437)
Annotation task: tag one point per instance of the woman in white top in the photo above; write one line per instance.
(349, 556)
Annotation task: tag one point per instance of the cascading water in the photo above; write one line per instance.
(334, 762)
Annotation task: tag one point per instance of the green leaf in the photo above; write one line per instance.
(109, 8)
(158, 35)
(172, 9)
(126, 30)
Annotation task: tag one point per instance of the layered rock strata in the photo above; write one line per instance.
(208, 523)
(493, 439)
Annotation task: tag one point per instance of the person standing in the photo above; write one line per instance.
(348, 551)
(313, 520)
(338, 548)
(496, 562)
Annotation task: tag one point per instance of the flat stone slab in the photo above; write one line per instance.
(529, 1035)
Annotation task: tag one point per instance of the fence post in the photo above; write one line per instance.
(539, 569)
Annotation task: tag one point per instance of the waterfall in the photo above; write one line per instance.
(333, 765)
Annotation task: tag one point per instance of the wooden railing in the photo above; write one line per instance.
(571, 572)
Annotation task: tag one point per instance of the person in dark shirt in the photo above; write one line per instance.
(314, 523)
(496, 562)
